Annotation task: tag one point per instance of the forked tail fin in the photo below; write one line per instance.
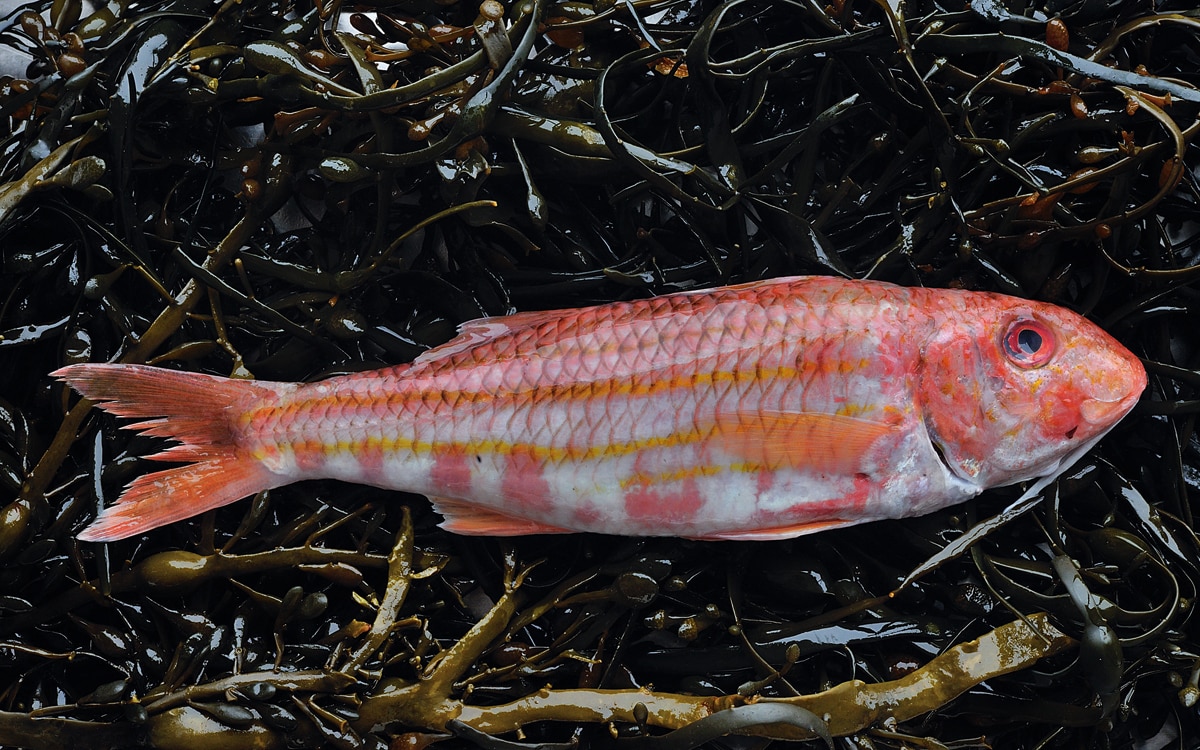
(198, 411)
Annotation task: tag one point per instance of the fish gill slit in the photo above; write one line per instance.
(941, 455)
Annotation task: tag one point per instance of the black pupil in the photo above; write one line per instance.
(1029, 341)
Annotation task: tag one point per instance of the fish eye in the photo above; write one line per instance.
(1028, 343)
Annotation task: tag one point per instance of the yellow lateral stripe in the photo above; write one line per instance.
(647, 386)
(550, 453)
(691, 471)
(499, 447)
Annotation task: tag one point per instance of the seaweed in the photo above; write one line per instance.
(289, 189)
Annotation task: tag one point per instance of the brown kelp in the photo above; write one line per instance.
(291, 189)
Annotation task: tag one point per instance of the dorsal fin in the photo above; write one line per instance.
(481, 330)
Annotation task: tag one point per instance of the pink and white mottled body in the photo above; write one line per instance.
(765, 410)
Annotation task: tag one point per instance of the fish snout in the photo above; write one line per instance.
(1102, 413)
(1115, 392)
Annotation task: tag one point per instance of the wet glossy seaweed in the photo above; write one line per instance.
(288, 191)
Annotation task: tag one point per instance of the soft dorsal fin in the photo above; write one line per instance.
(481, 330)
(471, 520)
(821, 443)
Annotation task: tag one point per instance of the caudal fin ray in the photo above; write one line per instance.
(189, 407)
(199, 413)
(174, 494)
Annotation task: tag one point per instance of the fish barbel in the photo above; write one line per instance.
(758, 411)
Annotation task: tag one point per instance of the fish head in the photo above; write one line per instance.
(1009, 389)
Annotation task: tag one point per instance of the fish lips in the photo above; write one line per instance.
(1103, 412)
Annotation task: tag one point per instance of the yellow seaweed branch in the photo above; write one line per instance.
(847, 708)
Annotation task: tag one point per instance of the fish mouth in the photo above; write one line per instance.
(1104, 412)
(1112, 396)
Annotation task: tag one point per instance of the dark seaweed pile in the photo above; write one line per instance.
(286, 191)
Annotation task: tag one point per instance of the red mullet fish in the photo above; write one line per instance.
(758, 411)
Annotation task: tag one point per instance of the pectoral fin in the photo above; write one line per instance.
(471, 520)
(822, 443)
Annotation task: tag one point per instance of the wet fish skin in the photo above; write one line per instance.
(759, 411)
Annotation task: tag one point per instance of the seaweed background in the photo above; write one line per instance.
(287, 191)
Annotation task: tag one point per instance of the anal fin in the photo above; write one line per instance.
(779, 532)
(472, 520)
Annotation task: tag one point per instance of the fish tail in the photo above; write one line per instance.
(198, 411)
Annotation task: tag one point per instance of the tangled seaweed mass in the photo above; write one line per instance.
(287, 190)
